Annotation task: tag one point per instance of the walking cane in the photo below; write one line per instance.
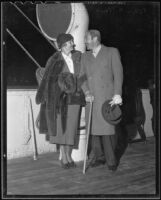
(88, 132)
(33, 131)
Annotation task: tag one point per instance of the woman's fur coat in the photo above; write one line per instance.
(49, 93)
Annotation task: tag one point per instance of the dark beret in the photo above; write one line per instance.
(63, 38)
(111, 114)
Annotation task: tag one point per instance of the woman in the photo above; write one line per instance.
(61, 98)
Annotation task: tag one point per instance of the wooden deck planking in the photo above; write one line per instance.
(135, 175)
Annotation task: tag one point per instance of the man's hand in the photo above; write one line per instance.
(116, 100)
(89, 97)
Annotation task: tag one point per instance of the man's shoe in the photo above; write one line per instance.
(72, 164)
(64, 165)
(97, 163)
(113, 167)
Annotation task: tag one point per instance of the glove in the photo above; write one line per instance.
(116, 100)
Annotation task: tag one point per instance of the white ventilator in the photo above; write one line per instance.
(72, 18)
(57, 18)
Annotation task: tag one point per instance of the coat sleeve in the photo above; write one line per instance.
(117, 71)
(40, 95)
(83, 76)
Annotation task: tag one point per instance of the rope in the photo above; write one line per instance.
(23, 48)
(33, 25)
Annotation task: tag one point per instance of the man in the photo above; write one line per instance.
(151, 87)
(104, 72)
(60, 97)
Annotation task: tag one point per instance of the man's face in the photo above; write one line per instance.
(68, 46)
(89, 42)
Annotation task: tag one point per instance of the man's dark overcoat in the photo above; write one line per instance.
(104, 79)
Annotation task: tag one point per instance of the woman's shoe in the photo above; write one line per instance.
(72, 164)
(64, 165)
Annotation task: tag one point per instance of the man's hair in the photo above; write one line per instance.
(95, 33)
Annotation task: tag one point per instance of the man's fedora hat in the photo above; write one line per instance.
(111, 114)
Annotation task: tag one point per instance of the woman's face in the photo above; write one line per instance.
(68, 47)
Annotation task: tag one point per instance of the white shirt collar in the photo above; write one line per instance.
(69, 56)
(69, 61)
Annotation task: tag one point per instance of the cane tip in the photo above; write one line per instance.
(35, 158)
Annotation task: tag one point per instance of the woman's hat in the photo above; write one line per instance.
(63, 38)
(111, 114)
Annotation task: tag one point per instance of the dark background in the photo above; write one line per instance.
(130, 27)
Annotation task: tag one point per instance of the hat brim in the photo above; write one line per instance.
(111, 114)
